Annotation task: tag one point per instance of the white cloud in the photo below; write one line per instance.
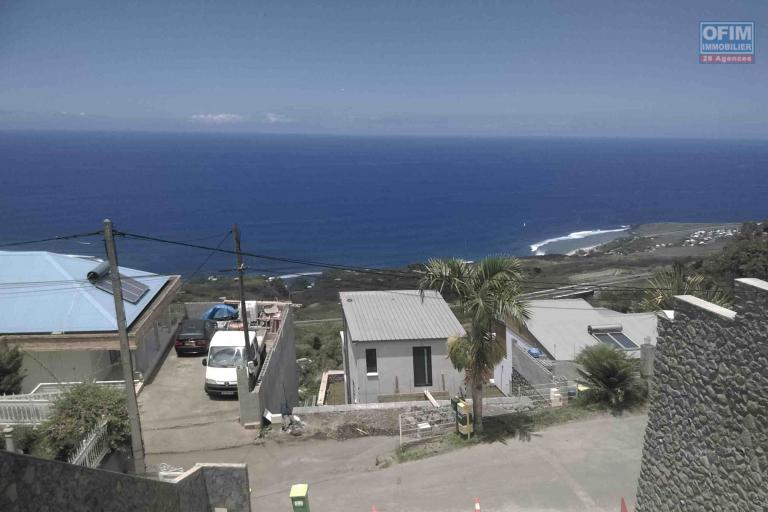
(217, 118)
(271, 117)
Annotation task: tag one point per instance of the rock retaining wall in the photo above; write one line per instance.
(706, 443)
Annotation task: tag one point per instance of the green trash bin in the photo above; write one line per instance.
(300, 497)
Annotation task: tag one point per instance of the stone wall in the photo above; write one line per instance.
(40, 485)
(706, 443)
(227, 486)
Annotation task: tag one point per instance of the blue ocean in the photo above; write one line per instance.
(363, 201)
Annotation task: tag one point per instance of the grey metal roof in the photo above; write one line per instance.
(398, 315)
(46, 292)
(560, 325)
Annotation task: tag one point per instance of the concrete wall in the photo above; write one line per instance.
(65, 366)
(706, 443)
(278, 382)
(83, 365)
(517, 360)
(395, 369)
(39, 485)
(503, 371)
(154, 345)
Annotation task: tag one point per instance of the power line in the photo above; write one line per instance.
(308, 263)
(527, 286)
(52, 239)
(218, 246)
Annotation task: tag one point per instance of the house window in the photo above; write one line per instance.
(422, 366)
(370, 361)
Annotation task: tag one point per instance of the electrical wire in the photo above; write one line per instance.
(52, 239)
(207, 258)
(307, 263)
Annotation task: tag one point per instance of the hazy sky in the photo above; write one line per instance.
(506, 67)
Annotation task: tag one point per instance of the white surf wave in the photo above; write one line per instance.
(576, 235)
(300, 274)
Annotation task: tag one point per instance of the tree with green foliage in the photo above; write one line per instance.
(78, 411)
(746, 255)
(612, 377)
(680, 281)
(11, 372)
(486, 291)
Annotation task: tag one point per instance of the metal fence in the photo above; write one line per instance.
(544, 395)
(429, 424)
(93, 448)
(423, 425)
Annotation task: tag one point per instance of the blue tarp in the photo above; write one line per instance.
(220, 312)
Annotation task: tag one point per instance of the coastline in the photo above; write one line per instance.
(686, 238)
(578, 241)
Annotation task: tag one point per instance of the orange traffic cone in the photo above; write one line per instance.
(624, 506)
(477, 504)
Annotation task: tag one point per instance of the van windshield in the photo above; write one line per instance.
(225, 357)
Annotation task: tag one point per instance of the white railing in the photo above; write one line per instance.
(24, 412)
(60, 387)
(93, 448)
(33, 408)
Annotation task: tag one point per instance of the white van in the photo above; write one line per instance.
(225, 352)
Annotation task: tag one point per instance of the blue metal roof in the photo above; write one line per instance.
(46, 292)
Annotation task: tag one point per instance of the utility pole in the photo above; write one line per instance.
(241, 274)
(137, 442)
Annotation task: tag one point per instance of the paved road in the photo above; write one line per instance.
(564, 291)
(582, 466)
(177, 415)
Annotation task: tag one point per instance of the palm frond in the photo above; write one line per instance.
(445, 275)
(679, 281)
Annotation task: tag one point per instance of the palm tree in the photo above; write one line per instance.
(611, 375)
(679, 281)
(486, 291)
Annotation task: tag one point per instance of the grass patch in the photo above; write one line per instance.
(321, 344)
(428, 449)
(317, 310)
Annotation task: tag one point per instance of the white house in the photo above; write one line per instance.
(559, 329)
(59, 310)
(395, 345)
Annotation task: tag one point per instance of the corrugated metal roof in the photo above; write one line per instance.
(51, 294)
(560, 325)
(398, 315)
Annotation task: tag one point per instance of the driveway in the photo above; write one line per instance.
(177, 416)
(580, 466)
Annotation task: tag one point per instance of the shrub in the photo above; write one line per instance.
(78, 411)
(612, 376)
(11, 372)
